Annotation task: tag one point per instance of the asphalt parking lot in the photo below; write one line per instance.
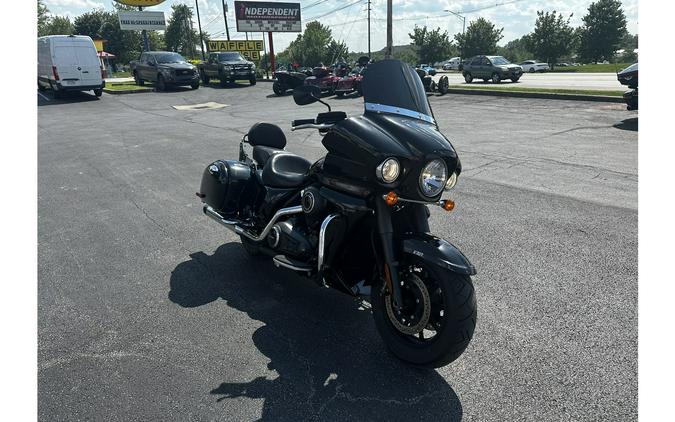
(150, 311)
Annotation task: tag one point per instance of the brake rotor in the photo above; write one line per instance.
(414, 315)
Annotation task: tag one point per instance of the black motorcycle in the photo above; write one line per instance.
(357, 219)
(285, 80)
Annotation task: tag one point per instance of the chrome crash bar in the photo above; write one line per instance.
(235, 227)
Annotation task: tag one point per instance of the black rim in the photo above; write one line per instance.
(406, 321)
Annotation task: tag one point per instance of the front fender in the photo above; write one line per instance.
(437, 251)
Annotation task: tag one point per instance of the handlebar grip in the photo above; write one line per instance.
(302, 122)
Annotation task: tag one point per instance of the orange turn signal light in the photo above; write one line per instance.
(448, 204)
(391, 198)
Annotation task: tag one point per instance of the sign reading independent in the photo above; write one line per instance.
(132, 20)
(264, 16)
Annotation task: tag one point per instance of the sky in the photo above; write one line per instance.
(517, 17)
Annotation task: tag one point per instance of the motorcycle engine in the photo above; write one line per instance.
(291, 239)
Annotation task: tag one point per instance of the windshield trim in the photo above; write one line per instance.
(382, 108)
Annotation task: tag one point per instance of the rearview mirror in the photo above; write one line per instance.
(306, 94)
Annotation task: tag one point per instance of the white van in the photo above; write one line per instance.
(69, 63)
(453, 63)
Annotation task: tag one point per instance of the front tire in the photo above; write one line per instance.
(496, 78)
(161, 84)
(278, 88)
(468, 78)
(450, 320)
(98, 92)
(138, 80)
(194, 85)
(532, 70)
(252, 81)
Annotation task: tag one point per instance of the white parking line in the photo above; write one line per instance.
(43, 96)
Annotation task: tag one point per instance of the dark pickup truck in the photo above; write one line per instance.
(227, 66)
(164, 68)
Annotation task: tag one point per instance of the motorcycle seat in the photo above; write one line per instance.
(285, 170)
(262, 153)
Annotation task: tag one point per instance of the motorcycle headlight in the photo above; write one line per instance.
(433, 177)
(452, 181)
(388, 170)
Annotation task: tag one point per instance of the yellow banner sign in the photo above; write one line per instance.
(236, 45)
(140, 3)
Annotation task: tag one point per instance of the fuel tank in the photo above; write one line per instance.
(357, 145)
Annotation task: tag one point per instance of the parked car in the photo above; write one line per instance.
(494, 68)
(227, 66)
(69, 63)
(534, 66)
(452, 64)
(429, 69)
(165, 68)
(629, 77)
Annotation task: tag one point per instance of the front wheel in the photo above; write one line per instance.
(437, 318)
(98, 92)
(514, 80)
(278, 88)
(161, 84)
(496, 78)
(252, 81)
(139, 81)
(194, 85)
(468, 78)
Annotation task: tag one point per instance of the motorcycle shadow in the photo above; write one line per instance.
(331, 364)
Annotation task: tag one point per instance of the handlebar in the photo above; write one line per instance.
(301, 122)
(322, 126)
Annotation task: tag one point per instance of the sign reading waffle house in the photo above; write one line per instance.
(263, 16)
(249, 49)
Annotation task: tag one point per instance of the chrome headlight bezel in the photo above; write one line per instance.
(437, 170)
(451, 182)
(386, 168)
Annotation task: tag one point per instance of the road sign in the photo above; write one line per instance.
(263, 16)
(249, 49)
(133, 20)
(140, 3)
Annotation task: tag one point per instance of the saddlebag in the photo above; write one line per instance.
(226, 186)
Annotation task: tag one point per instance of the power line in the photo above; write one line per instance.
(335, 10)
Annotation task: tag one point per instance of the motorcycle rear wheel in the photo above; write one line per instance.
(449, 323)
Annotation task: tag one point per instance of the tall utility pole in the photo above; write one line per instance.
(227, 29)
(387, 51)
(463, 18)
(368, 28)
(201, 35)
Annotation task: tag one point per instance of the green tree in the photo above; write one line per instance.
(603, 30)
(337, 50)
(90, 23)
(432, 46)
(179, 35)
(481, 37)
(553, 37)
(60, 25)
(516, 50)
(42, 18)
(314, 46)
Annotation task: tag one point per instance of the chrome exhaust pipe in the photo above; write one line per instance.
(236, 228)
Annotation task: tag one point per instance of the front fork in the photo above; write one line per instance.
(386, 232)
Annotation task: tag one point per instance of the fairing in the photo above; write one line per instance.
(393, 87)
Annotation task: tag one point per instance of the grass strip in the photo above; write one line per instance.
(591, 92)
(126, 87)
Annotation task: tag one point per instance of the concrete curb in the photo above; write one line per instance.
(544, 95)
(130, 91)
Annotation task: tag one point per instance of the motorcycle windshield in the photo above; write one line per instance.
(393, 87)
